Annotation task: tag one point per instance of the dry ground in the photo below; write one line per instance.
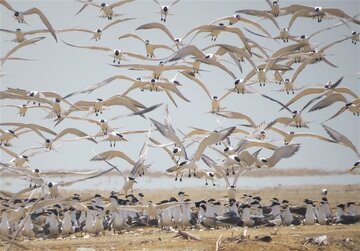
(340, 237)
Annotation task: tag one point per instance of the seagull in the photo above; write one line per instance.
(106, 9)
(96, 86)
(118, 55)
(20, 160)
(20, 35)
(260, 13)
(199, 56)
(208, 140)
(23, 108)
(156, 70)
(108, 155)
(353, 107)
(96, 34)
(164, 9)
(319, 12)
(280, 153)
(81, 135)
(289, 136)
(19, 16)
(296, 119)
(215, 30)
(177, 40)
(103, 124)
(328, 89)
(22, 44)
(149, 47)
(116, 136)
(238, 18)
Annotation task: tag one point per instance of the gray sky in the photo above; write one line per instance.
(65, 69)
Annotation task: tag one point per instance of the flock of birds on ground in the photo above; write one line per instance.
(42, 216)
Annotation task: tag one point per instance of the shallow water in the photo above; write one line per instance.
(114, 183)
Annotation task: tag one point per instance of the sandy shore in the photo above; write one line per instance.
(339, 237)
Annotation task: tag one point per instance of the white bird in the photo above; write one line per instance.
(280, 153)
(96, 34)
(149, 47)
(289, 136)
(210, 139)
(295, 120)
(210, 59)
(48, 144)
(156, 70)
(316, 12)
(238, 18)
(177, 40)
(23, 108)
(215, 30)
(106, 9)
(19, 16)
(20, 35)
(118, 55)
(164, 9)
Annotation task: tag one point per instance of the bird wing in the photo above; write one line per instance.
(341, 14)
(260, 13)
(33, 127)
(116, 22)
(210, 139)
(329, 100)
(43, 19)
(278, 131)
(313, 135)
(74, 29)
(276, 101)
(340, 138)
(170, 134)
(342, 109)
(99, 85)
(108, 155)
(75, 132)
(22, 44)
(11, 153)
(346, 91)
(255, 24)
(135, 85)
(236, 115)
(157, 26)
(196, 80)
(185, 51)
(175, 2)
(8, 31)
(84, 6)
(68, 183)
(133, 36)
(281, 153)
(241, 35)
(7, 5)
(89, 47)
(305, 92)
(171, 87)
(119, 3)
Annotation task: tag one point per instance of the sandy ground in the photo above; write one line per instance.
(339, 237)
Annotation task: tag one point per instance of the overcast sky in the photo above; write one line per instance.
(65, 69)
